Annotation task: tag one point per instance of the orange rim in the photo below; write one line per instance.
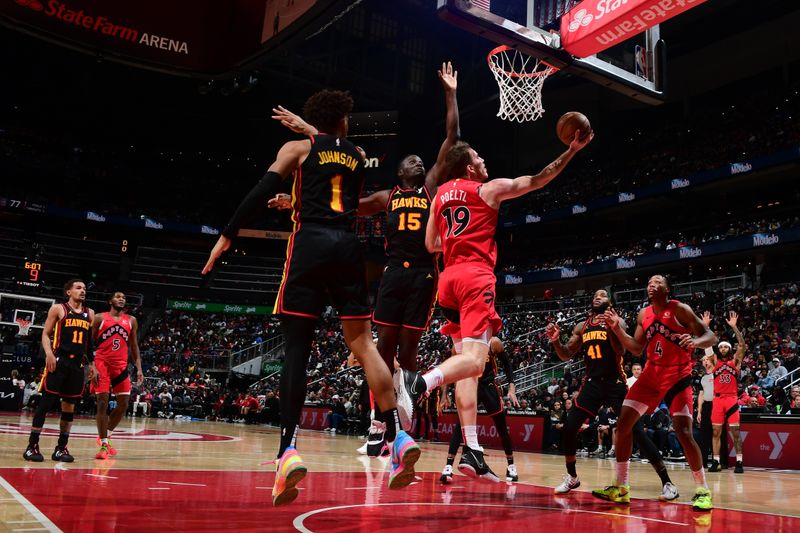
(505, 48)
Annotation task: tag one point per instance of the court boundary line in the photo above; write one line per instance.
(32, 509)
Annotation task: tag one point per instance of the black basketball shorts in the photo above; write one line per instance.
(490, 397)
(597, 392)
(324, 265)
(67, 380)
(406, 297)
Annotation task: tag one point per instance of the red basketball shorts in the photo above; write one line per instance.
(721, 406)
(111, 377)
(670, 384)
(466, 294)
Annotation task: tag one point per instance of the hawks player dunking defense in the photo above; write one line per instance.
(67, 344)
(669, 331)
(725, 406)
(604, 384)
(114, 335)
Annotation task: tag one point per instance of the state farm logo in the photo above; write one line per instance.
(582, 18)
(33, 4)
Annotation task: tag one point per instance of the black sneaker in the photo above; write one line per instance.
(32, 453)
(62, 454)
(409, 387)
(375, 443)
(715, 467)
(472, 464)
(739, 468)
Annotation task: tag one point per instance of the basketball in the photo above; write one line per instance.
(569, 122)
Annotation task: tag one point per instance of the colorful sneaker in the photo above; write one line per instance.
(569, 483)
(669, 492)
(290, 472)
(62, 454)
(473, 464)
(405, 453)
(111, 450)
(701, 501)
(103, 453)
(32, 453)
(614, 493)
(511, 473)
(447, 475)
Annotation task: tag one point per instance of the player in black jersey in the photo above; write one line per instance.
(604, 384)
(408, 287)
(66, 339)
(324, 262)
(490, 396)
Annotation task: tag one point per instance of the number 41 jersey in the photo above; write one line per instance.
(466, 224)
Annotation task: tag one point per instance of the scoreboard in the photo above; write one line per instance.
(30, 273)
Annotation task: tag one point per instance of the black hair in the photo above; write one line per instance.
(326, 108)
(69, 284)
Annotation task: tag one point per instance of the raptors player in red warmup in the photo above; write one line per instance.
(725, 407)
(462, 225)
(670, 332)
(114, 332)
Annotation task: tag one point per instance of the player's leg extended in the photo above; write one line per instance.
(387, 344)
(405, 452)
(619, 491)
(32, 452)
(683, 430)
(716, 436)
(452, 451)
(737, 442)
(501, 424)
(65, 425)
(569, 442)
(408, 347)
(649, 451)
(102, 414)
(119, 411)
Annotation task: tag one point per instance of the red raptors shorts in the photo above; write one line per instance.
(721, 406)
(670, 384)
(466, 294)
(111, 377)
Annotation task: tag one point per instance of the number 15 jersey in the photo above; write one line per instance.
(466, 224)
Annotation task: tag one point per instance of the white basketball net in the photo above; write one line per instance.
(24, 326)
(520, 78)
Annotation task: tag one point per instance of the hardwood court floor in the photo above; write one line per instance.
(206, 476)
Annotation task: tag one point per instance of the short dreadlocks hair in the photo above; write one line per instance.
(326, 108)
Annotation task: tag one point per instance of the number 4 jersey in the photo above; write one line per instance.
(466, 224)
(112, 339)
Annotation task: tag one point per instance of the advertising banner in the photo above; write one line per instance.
(210, 307)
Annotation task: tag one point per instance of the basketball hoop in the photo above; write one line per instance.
(24, 326)
(520, 78)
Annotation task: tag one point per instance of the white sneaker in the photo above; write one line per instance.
(668, 493)
(363, 449)
(405, 405)
(598, 451)
(511, 473)
(567, 485)
(333, 430)
(447, 475)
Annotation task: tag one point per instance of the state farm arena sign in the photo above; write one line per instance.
(201, 35)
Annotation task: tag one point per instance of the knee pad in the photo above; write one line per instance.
(67, 417)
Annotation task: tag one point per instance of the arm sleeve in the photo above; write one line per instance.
(505, 361)
(255, 198)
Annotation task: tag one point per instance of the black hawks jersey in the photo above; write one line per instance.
(328, 183)
(71, 334)
(407, 214)
(599, 355)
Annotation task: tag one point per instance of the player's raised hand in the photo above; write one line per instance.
(733, 319)
(611, 318)
(687, 342)
(223, 243)
(706, 318)
(281, 202)
(577, 143)
(448, 77)
(552, 331)
(292, 121)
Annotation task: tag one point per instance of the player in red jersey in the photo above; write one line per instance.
(114, 334)
(462, 225)
(725, 407)
(670, 331)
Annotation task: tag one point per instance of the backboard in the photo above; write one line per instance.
(634, 66)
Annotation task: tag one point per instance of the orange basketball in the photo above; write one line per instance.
(569, 122)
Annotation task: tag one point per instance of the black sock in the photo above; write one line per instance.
(450, 460)
(62, 439)
(34, 438)
(392, 420)
(571, 469)
(662, 473)
(298, 333)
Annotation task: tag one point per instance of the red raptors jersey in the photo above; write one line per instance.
(466, 224)
(112, 338)
(725, 383)
(663, 335)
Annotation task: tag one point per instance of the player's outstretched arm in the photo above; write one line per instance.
(701, 336)
(567, 351)
(292, 121)
(433, 241)
(290, 156)
(741, 347)
(634, 344)
(438, 171)
(498, 190)
(374, 203)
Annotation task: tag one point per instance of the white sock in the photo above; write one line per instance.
(739, 457)
(103, 441)
(471, 437)
(716, 458)
(433, 379)
(622, 472)
(700, 478)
